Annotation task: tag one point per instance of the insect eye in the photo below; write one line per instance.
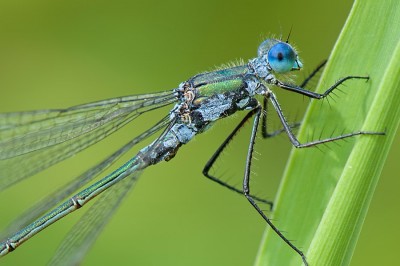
(282, 58)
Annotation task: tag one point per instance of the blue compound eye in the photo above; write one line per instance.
(282, 58)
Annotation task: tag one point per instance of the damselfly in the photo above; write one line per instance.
(33, 141)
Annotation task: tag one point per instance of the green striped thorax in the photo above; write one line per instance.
(210, 96)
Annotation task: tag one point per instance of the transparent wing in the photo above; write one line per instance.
(50, 136)
(84, 233)
(50, 201)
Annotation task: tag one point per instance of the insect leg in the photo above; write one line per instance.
(220, 149)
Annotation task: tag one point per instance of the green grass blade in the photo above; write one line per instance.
(325, 194)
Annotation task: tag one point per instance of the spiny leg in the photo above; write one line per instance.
(296, 142)
(264, 131)
(246, 187)
(219, 151)
(265, 134)
(315, 95)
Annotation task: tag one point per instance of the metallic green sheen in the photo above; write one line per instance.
(221, 87)
(220, 81)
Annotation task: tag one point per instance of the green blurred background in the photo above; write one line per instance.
(58, 54)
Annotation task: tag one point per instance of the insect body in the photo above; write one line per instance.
(198, 103)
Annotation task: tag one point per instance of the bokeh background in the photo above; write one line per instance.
(58, 54)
